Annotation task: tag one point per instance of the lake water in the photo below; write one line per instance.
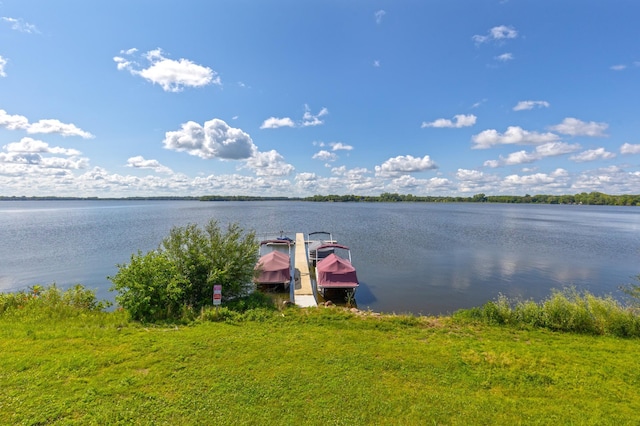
(423, 258)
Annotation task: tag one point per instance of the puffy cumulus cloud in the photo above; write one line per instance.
(411, 183)
(356, 172)
(19, 122)
(554, 179)
(628, 148)
(528, 105)
(13, 122)
(306, 181)
(309, 119)
(139, 162)
(379, 15)
(574, 127)
(18, 24)
(499, 33)
(57, 127)
(610, 180)
(458, 121)
(513, 135)
(325, 155)
(353, 180)
(171, 75)
(269, 163)
(274, 123)
(551, 149)
(3, 63)
(33, 145)
(38, 155)
(404, 164)
(216, 139)
(592, 155)
(475, 180)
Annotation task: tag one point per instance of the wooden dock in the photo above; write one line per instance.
(303, 293)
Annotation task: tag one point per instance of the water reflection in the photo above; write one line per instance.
(420, 258)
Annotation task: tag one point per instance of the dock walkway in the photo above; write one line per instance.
(303, 292)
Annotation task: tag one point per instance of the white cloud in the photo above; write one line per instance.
(171, 75)
(592, 155)
(19, 122)
(376, 63)
(356, 173)
(610, 180)
(20, 25)
(274, 123)
(309, 119)
(459, 121)
(574, 127)
(339, 146)
(505, 57)
(498, 33)
(32, 145)
(618, 67)
(379, 15)
(325, 156)
(139, 162)
(13, 122)
(550, 149)
(30, 156)
(537, 179)
(411, 183)
(404, 164)
(475, 180)
(527, 105)
(628, 148)
(269, 163)
(56, 126)
(3, 63)
(216, 139)
(513, 135)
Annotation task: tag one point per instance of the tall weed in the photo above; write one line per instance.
(566, 310)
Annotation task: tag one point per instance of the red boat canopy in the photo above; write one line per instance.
(274, 268)
(336, 272)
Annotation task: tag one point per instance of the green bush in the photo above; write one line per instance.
(176, 280)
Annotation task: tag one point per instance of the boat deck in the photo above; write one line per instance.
(303, 293)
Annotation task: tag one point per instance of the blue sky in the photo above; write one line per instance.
(296, 98)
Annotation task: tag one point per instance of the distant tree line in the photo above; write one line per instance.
(591, 198)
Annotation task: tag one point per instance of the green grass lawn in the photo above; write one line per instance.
(318, 366)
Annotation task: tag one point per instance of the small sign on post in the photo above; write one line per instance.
(217, 295)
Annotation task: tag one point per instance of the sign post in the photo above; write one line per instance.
(217, 295)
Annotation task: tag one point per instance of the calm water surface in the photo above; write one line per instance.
(422, 258)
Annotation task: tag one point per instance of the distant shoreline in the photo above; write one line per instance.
(592, 198)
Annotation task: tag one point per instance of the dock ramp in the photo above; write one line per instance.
(303, 293)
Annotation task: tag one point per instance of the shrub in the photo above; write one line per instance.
(176, 280)
(150, 287)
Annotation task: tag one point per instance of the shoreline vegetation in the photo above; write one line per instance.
(583, 198)
(567, 360)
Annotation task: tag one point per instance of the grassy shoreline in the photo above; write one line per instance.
(308, 366)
